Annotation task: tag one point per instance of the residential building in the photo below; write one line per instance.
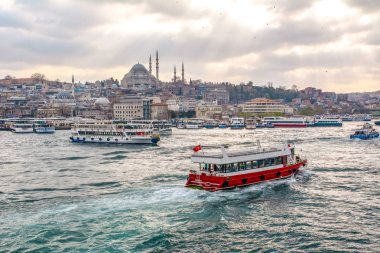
(133, 107)
(263, 105)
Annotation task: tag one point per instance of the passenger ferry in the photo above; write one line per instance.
(285, 122)
(113, 133)
(43, 128)
(237, 123)
(161, 127)
(194, 124)
(250, 123)
(229, 169)
(365, 133)
(22, 128)
(326, 122)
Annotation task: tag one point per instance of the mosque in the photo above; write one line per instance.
(141, 79)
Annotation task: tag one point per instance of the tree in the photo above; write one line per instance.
(38, 76)
(9, 77)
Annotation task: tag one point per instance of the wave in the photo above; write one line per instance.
(74, 158)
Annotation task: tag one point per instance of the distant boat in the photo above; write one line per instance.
(114, 134)
(250, 123)
(285, 122)
(365, 133)
(44, 128)
(223, 125)
(22, 128)
(237, 123)
(326, 122)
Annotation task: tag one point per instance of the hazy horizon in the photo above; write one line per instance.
(331, 45)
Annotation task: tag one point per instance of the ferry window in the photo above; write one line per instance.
(260, 163)
(272, 161)
(253, 164)
(267, 162)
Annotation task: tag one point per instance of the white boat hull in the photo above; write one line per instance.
(44, 130)
(22, 130)
(115, 140)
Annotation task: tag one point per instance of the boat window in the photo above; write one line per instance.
(260, 163)
(267, 162)
(253, 164)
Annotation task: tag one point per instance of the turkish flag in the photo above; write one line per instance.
(197, 148)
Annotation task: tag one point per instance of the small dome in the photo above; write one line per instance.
(64, 95)
(102, 100)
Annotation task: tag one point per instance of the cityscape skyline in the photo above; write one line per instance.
(330, 45)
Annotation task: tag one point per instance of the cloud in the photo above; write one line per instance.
(280, 41)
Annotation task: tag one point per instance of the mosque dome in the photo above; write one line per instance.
(138, 78)
(64, 95)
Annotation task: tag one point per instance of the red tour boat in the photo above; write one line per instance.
(229, 169)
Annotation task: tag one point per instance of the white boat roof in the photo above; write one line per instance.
(252, 154)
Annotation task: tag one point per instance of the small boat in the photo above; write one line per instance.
(44, 128)
(250, 124)
(237, 123)
(22, 128)
(114, 133)
(365, 133)
(230, 169)
(181, 125)
(223, 125)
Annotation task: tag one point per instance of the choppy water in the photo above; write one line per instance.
(56, 196)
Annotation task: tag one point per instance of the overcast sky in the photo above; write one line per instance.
(332, 44)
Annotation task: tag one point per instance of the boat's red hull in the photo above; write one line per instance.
(215, 183)
(288, 125)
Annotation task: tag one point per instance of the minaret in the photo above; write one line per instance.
(175, 75)
(72, 86)
(157, 65)
(150, 64)
(183, 74)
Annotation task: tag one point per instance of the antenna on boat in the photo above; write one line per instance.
(258, 144)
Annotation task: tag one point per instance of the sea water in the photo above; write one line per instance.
(56, 196)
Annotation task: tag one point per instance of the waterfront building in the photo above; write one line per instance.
(263, 105)
(133, 107)
(208, 110)
(181, 104)
(160, 111)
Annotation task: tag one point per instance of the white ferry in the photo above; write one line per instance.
(229, 169)
(43, 128)
(237, 123)
(285, 122)
(194, 124)
(250, 123)
(113, 133)
(22, 128)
